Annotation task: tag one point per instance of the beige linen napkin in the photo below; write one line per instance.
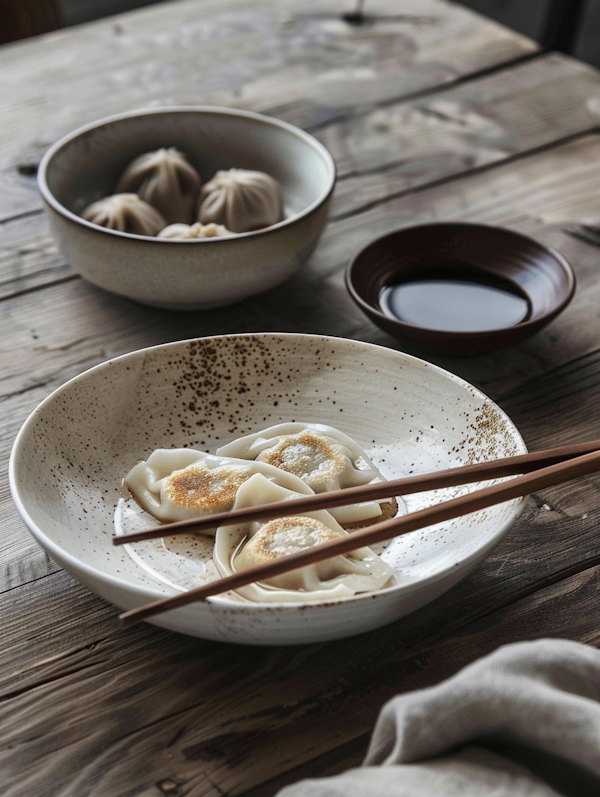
(521, 722)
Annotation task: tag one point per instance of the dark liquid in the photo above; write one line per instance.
(467, 302)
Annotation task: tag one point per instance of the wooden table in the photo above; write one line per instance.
(431, 112)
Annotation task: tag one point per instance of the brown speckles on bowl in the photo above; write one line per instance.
(497, 257)
(71, 455)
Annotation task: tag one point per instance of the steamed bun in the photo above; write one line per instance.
(197, 230)
(242, 200)
(167, 181)
(125, 213)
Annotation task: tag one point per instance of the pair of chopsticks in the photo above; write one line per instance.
(539, 470)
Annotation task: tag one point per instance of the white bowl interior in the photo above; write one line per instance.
(85, 166)
(71, 456)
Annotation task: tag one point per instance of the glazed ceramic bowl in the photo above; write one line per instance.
(460, 289)
(71, 455)
(187, 274)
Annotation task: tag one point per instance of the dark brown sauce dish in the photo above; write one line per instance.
(460, 289)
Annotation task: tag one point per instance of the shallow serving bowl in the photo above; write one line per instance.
(187, 274)
(468, 288)
(71, 455)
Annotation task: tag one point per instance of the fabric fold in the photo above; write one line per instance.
(523, 721)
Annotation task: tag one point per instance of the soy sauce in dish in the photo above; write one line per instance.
(454, 297)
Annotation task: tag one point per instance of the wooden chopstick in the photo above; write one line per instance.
(494, 469)
(463, 505)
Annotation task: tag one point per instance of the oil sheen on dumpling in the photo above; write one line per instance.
(125, 213)
(322, 456)
(242, 200)
(182, 232)
(167, 181)
(241, 546)
(181, 483)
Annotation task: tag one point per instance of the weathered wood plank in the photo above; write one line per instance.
(39, 354)
(221, 730)
(83, 659)
(405, 145)
(298, 61)
(90, 709)
(550, 608)
(392, 150)
(555, 531)
(555, 538)
(546, 195)
(42, 354)
(29, 257)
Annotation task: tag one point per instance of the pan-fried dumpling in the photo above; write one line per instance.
(180, 483)
(167, 181)
(125, 213)
(243, 545)
(322, 456)
(194, 231)
(242, 200)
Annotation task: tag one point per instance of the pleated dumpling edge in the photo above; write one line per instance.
(243, 545)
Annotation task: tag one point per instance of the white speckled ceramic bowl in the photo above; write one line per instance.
(72, 453)
(187, 274)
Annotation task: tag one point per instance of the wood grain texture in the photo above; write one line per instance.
(389, 152)
(298, 61)
(215, 720)
(430, 115)
(43, 354)
(227, 706)
(394, 149)
(545, 607)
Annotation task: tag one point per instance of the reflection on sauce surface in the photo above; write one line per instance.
(466, 303)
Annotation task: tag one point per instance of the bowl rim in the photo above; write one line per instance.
(307, 138)
(149, 593)
(526, 324)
